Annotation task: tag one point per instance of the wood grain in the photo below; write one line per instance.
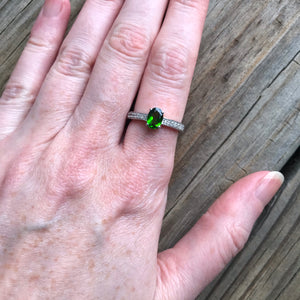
(242, 116)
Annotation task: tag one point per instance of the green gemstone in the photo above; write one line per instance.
(155, 118)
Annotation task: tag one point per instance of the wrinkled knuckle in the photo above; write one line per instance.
(17, 91)
(74, 62)
(168, 65)
(72, 174)
(231, 239)
(71, 180)
(187, 4)
(108, 2)
(129, 42)
(135, 189)
(237, 236)
(37, 45)
(145, 185)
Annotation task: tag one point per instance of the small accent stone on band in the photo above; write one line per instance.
(166, 122)
(173, 124)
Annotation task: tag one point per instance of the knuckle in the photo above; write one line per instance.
(71, 172)
(188, 3)
(237, 237)
(18, 91)
(70, 181)
(73, 61)
(76, 174)
(135, 188)
(108, 2)
(36, 44)
(232, 237)
(130, 41)
(142, 179)
(169, 66)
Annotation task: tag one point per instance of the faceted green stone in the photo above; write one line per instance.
(155, 118)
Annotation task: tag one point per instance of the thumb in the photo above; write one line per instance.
(220, 234)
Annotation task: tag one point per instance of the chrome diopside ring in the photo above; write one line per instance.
(155, 119)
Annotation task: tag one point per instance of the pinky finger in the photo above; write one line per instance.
(33, 65)
(218, 236)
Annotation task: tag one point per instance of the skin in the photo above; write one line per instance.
(82, 197)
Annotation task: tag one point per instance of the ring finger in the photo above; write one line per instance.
(167, 78)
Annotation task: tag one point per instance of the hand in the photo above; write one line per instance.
(82, 196)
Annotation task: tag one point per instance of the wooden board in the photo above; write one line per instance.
(242, 116)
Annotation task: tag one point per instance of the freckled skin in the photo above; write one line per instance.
(81, 235)
(66, 236)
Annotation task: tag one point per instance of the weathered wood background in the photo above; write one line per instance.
(242, 116)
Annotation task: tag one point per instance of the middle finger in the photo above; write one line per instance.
(114, 82)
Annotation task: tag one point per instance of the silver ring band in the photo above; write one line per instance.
(166, 122)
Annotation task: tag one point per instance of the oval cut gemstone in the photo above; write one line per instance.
(155, 118)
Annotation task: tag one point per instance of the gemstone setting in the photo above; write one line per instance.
(155, 118)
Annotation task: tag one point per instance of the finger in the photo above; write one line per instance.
(218, 236)
(117, 73)
(169, 73)
(33, 65)
(69, 75)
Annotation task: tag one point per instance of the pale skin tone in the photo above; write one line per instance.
(82, 197)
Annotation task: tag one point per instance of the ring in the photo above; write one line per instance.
(155, 118)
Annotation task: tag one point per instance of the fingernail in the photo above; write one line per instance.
(268, 186)
(52, 8)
